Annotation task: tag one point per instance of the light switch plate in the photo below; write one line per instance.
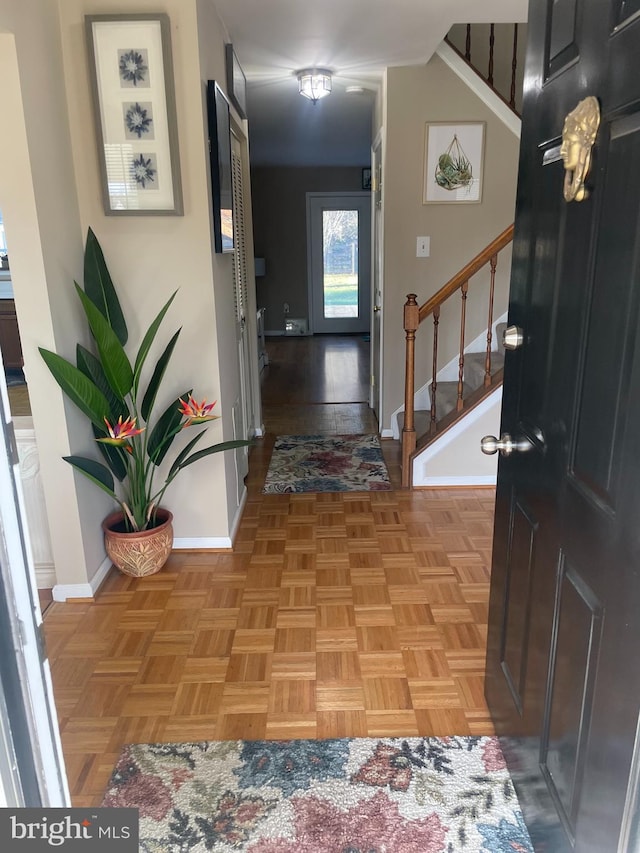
(423, 247)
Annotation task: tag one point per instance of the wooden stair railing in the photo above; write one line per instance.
(488, 77)
(415, 314)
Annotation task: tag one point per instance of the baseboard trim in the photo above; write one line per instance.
(457, 482)
(203, 543)
(65, 591)
(45, 576)
(387, 433)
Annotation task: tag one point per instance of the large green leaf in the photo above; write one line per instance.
(165, 431)
(184, 453)
(161, 365)
(90, 365)
(80, 390)
(99, 287)
(94, 471)
(112, 355)
(114, 456)
(145, 346)
(215, 448)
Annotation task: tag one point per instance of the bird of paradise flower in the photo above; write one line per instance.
(132, 67)
(142, 171)
(138, 120)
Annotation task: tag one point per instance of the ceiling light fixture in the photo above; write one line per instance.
(314, 83)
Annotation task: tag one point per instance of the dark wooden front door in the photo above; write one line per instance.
(563, 665)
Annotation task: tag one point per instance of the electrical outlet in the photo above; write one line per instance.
(286, 307)
(423, 247)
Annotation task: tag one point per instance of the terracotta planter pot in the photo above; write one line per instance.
(138, 554)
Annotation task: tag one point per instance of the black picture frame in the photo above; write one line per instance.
(236, 81)
(220, 161)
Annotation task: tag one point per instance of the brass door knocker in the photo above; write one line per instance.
(578, 135)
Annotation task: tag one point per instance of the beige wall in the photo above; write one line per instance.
(40, 209)
(149, 257)
(280, 232)
(415, 96)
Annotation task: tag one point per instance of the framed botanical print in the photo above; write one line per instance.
(132, 80)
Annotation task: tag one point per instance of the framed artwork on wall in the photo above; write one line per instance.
(131, 74)
(236, 81)
(453, 162)
(220, 162)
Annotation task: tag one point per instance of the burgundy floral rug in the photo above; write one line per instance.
(326, 463)
(354, 795)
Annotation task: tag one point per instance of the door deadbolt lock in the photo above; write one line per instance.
(512, 337)
(506, 445)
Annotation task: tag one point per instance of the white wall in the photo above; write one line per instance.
(455, 459)
(40, 210)
(149, 257)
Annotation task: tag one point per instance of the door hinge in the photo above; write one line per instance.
(12, 446)
(373, 380)
(40, 638)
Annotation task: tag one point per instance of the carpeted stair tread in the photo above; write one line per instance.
(447, 392)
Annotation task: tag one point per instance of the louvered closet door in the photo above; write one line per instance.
(242, 410)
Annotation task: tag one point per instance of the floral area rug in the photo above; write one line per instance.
(323, 463)
(353, 795)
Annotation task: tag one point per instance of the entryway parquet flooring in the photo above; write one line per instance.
(336, 615)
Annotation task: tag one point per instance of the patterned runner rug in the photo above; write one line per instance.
(391, 795)
(326, 463)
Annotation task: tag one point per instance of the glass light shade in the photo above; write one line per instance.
(314, 83)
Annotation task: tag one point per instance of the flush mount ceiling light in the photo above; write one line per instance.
(314, 83)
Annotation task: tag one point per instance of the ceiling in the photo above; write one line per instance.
(356, 40)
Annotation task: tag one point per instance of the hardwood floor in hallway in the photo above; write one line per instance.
(346, 614)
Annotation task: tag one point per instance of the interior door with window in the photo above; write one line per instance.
(339, 248)
(562, 675)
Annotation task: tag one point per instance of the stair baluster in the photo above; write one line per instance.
(434, 369)
(493, 263)
(492, 41)
(411, 323)
(415, 314)
(487, 72)
(463, 317)
(514, 68)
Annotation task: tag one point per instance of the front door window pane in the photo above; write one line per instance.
(340, 263)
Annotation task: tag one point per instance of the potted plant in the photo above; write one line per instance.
(108, 389)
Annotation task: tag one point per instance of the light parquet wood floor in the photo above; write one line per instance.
(350, 614)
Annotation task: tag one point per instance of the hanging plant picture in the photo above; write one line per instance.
(454, 169)
(453, 162)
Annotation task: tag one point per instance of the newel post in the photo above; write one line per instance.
(411, 323)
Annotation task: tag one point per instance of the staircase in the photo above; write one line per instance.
(446, 393)
(479, 373)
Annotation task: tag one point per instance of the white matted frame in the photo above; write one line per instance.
(439, 137)
(131, 73)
